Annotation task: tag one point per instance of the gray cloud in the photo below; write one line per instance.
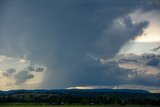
(22, 76)
(154, 61)
(9, 72)
(110, 74)
(156, 49)
(60, 34)
(36, 69)
(155, 3)
(147, 59)
(142, 70)
(118, 32)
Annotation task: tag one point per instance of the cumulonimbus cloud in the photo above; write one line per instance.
(59, 35)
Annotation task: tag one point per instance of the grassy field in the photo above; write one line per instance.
(31, 105)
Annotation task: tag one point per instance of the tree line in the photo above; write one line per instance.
(85, 97)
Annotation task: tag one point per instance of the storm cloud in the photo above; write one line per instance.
(61, 35)
(111, 73)
(120, 31)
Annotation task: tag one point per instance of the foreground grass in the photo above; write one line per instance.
(44, 105)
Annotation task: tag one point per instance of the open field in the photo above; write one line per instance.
(33, 105)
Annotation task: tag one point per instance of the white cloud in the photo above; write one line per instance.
(126, 86)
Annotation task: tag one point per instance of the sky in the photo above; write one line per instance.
(80, 44)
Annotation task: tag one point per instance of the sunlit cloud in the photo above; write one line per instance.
(149, 38)
(15, 73)
(126, 86)
(151, 33)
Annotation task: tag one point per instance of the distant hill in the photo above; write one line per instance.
(75, 90)
(81, 96)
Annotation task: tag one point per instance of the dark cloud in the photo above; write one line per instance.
(155, 3)
(119, 32)
(110, 74)
(59, 34)
(108, 45)
(36, 69)
(145, 70)
(153, 60)
(9, 72)
(147, 59)
(22, 76)
(156, 49)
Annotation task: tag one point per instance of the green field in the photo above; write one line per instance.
(31, 105)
